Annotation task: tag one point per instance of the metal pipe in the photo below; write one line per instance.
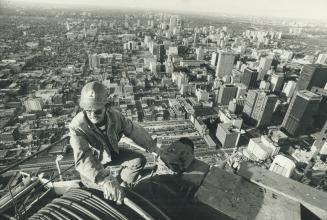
(149, 203)
(59, 158)
(129, 203)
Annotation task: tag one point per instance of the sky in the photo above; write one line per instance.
(309, 9)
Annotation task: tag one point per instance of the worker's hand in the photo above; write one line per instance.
(112, 190)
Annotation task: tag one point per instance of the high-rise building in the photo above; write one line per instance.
(249, 78)
(322, 112)
(172, 23)
(226, 93)
(264, 85)
(250, 102)
(214, 58)
(199, 53)
(236, 106)
(162, 53)
(228, 135)
(195, 40)
(289, 88)
(225, 63)
(94, 61)
(259, 107)
(263, 109)
(301, 112)
(153, 48)
(312, 75)
(179, 78)
(264, 66)
(147, 39)
(322, 59)
(241, 90)
(276, 82)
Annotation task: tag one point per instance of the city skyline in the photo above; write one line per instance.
(291, 9)
(216, 107)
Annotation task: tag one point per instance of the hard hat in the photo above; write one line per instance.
(93, 96)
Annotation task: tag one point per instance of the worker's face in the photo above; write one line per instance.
(96, 116)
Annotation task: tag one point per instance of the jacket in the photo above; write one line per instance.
(92, 151)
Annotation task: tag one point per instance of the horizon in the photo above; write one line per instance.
(293, 10)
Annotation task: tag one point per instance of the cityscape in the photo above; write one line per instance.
(249, 91)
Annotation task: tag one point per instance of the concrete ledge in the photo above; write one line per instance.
(240, 199)
(314, 200)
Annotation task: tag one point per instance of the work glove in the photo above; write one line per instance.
(112, 190)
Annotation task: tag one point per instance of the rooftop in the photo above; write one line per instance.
(308, 95)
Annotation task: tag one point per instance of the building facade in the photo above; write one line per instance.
(301, 112)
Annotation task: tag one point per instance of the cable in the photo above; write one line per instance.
(93, 202)
(109, 207)
(75, 206)
(55, 176)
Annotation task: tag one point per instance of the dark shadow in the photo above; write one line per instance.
(306, 214)
(176, 199)
(222, 195)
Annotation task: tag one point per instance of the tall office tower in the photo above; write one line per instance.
(153, 48)
(84, 30)
(289, 88)
(214, 58)
(225, 63)
(264, 109)
(249, 78)
(67, 26)
(147, 39)
(161, 53)
(179, 78)
(228, 135)
(301, 112)
(312, 75)
(249, 103)
(179, 22)
(276, 82)
(264, 66)
(322, 111)
(94, 61)
(226, 93)
(172, 23)
(199, 53)
(321, 142)
(322, 59)
(195, 40)
(259, 107)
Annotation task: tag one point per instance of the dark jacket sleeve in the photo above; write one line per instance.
(138, 134)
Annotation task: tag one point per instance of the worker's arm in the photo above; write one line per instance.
(85, 162)
(138, 134)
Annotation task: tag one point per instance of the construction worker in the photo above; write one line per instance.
(94, 136)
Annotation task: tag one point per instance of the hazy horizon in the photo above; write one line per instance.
(313, 9)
